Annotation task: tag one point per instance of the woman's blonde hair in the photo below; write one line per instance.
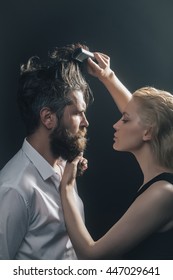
(156, 111)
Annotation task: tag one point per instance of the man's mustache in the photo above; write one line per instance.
(81, 133)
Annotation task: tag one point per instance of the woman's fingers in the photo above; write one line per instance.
(84, 163)
(101, 68)
(102, 59)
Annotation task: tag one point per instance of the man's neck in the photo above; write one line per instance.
(40, 142)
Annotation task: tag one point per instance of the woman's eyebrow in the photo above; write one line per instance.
(125, 113)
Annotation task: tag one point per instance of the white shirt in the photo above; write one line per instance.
(31, 217)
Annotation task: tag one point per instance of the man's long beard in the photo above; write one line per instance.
(64, 144)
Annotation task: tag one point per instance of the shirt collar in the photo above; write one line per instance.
(43, 167)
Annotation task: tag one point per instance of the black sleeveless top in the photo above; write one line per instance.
(159, 245)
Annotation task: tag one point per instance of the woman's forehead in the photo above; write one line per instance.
(132, 107)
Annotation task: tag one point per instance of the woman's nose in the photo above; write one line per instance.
(117, 125)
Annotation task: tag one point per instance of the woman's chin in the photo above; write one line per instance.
(115, 147)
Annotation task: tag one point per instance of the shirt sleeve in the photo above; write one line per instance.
(13, 222)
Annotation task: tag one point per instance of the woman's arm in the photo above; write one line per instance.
(149, 213)
(103, 72)
(72, 215)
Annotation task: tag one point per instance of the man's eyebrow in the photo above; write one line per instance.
(81, 110)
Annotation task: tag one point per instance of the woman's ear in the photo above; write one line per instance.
(48, 118)
(147, 135)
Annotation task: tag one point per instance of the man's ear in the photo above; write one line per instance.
(148, 134)
(48, 118)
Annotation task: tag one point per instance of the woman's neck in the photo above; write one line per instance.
(148, 164)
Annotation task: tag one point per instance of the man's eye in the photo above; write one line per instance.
(80, 113)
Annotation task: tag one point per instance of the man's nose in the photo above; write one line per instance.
(85, 121)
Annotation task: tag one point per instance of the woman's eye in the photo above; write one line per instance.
(124, 120)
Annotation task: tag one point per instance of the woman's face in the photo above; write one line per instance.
(129, 130)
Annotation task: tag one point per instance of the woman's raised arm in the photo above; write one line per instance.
(120, 94)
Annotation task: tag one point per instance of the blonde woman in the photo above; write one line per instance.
(145, 129)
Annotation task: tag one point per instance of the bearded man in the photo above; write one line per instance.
(53, 98)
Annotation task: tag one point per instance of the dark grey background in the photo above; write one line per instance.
(138, 37)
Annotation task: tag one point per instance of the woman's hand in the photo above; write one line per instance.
(70, 171)
(101, 69)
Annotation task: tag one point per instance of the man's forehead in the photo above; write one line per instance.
(78, 98)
